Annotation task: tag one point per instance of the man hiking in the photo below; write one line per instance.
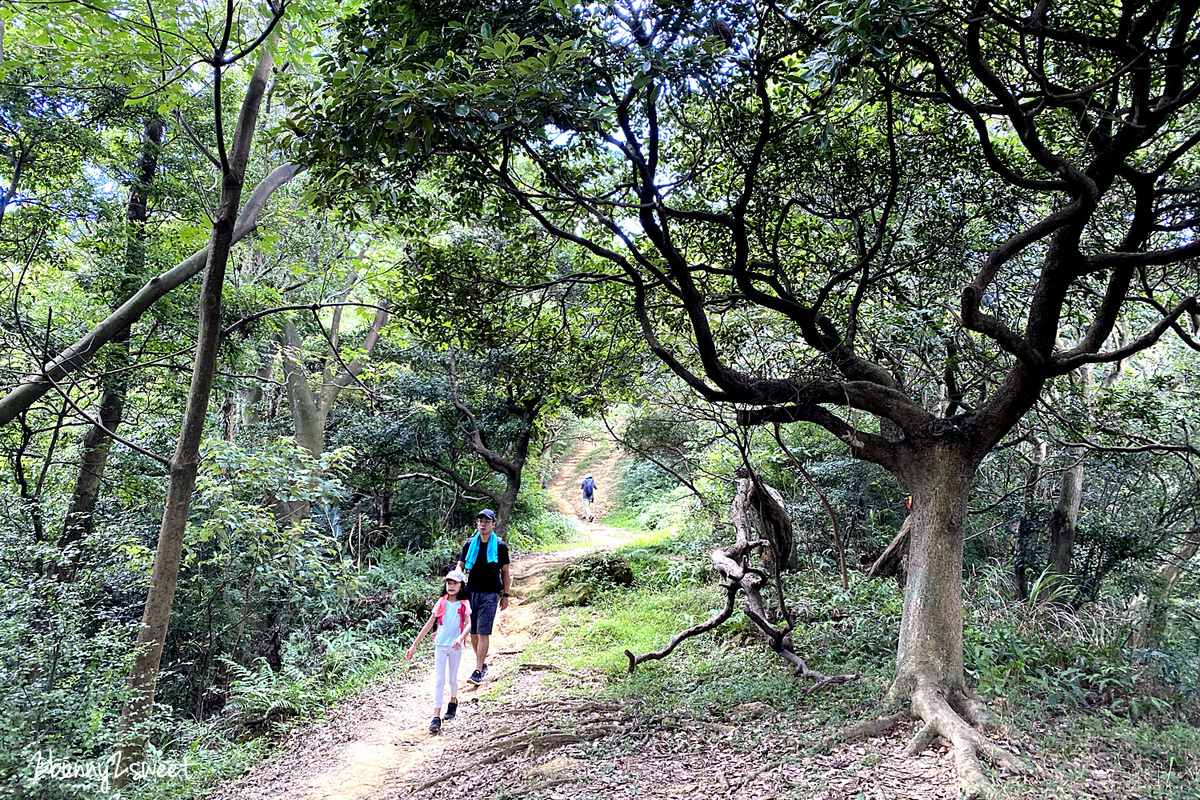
(484, 558)
(588, 487)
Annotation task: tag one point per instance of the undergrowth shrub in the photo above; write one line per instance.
(583, 580)
(260, 697)
(1063, 658)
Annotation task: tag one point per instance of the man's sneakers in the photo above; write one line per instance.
(436, 725)
(476, 677)
(483, 674)
(451, 710)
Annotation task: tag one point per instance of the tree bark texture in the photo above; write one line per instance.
(1063, 522)
(310, 410)
(930, 652)
(185, 461)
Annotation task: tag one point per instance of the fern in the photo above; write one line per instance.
(261, 697)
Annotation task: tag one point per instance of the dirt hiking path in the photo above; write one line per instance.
(380, 741)
(535, 730)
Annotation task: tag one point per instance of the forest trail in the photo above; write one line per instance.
(534, 730)
(378, 743)
(600, 460)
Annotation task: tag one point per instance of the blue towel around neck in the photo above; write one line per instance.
(493, 550)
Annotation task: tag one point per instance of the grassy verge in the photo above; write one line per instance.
(1093, 724)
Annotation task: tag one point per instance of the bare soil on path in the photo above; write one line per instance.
(536, 731)
(380, 739)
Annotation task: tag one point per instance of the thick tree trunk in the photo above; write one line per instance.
(929, 661)
(930, 652)
(185, 461)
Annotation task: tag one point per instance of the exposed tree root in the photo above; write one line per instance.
(530, 743)
(527, 667)
(948, 721)
(870, 727)
(576, 707)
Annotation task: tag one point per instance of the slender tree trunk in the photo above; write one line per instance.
(250, 397)
(1150, 608)
(1025, 526)
(1070, 496)
(506, 504)
(1063, 522)
(185, 461)
(307, 418)
(515, 468)
(97, 443)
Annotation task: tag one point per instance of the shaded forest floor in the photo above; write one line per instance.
(538, 728)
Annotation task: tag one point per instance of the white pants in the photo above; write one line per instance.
(445, 667)
(587, 507)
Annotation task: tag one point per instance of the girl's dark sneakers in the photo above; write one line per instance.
(451, 711)
(436, 725)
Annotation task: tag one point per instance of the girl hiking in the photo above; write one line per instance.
(451, 614)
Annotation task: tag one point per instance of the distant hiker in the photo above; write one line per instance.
(485, 559)
(451, 614)
(588, 487)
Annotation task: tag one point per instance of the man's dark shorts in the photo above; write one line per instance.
(483, 612)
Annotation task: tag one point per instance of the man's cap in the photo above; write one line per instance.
(589, 476)
(456, 575)
(487, 512)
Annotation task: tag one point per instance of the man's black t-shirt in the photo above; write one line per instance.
(485, 577)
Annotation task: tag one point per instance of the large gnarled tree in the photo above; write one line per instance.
(882, 221)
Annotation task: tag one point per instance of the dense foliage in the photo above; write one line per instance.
(876, 255)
